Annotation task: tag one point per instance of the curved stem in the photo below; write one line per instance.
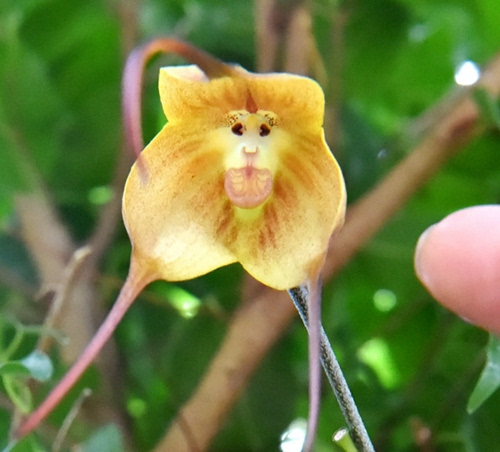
(133, 285)
(357, 430)
(133, 75)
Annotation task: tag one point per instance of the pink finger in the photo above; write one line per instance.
(458, 260)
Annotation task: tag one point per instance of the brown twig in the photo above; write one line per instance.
(70, 417)
(258, 324)
(274, 19)
(60, 300)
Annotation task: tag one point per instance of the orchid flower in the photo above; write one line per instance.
(241, 173)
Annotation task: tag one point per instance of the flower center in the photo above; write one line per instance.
(250, 163)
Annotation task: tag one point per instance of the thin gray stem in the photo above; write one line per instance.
(335, 376)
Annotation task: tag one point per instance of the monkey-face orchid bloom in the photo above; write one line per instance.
(241, 172)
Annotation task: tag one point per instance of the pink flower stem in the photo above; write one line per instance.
(131, 288)
(133, 75)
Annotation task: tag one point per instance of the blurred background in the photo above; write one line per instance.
(390, 70)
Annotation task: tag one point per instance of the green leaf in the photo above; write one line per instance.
(18, 392)
(39, 365)
(107, 438)
(13, 368)
(489, 381)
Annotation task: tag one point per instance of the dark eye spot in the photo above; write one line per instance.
(264, 130)
(237, 129)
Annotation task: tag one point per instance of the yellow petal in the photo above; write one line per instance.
(187, 94)
(169, 206)
(281, 245)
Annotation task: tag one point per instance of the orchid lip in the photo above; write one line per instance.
(248, 187)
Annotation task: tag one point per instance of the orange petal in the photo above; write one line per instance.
(171, 213)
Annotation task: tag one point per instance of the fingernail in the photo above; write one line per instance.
(418, 263)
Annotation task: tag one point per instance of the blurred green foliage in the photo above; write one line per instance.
(408, 362)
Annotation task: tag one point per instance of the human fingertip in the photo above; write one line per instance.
(457, 261)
